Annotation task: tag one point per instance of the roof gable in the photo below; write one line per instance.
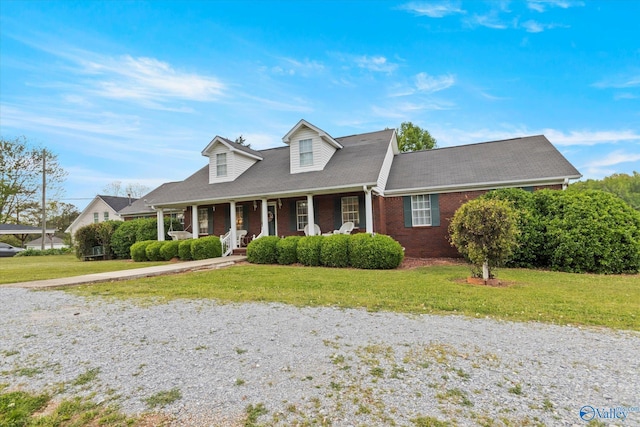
(303, 123)
(233, 147)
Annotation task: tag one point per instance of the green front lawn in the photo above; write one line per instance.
(562, 298)
(24, 269)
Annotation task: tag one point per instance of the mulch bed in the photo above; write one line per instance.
(410, 263)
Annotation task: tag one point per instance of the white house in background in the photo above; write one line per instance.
(101, 208)
(50, 242)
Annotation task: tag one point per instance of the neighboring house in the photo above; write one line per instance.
(101, 208)
(141, 209)
(50, 242)
(318, 179)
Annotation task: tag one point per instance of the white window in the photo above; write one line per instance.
(351, 210)
(239, 217)
(203, 221)
(306, 152)
(96, 217)
(221, 164)
(421, 210)
(302, 214)
(106, 216)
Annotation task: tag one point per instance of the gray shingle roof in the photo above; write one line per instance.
(356, 164)
(140, 207)
(117, 203)
(516, 160)
(241, 147)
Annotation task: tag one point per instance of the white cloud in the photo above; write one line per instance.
(537, 27)
(542, 5)
(490, 20)
(429, 84)
(375, 63)
(148, 79)
(618, 82)
(588, 138)
(433, 9)
(291, 66)
(614, 158)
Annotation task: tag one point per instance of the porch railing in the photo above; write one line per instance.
(225, 240)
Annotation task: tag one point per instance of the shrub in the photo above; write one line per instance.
(334, 250)
(485, 231)
(124, 237)
(374, 251)
(46, 252)
(263, 250)
(286, 250)
(184, 249)
(148, 228)
(96, 235)
(139, 250)
(206, 247)
(309, 250)
(169, 249)
(153, 251)
(585, 231)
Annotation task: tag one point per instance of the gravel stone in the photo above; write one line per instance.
(314, 365)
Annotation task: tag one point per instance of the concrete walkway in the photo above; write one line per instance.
(136, 273)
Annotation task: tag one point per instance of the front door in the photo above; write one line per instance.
(272, 219)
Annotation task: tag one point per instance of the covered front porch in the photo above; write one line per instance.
(286, 215)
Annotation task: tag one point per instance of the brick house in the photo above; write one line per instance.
(318, 179)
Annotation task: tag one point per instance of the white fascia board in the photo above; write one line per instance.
(479, 186)
(280, 194)
(324, 135)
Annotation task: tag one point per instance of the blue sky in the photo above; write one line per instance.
(133, 91)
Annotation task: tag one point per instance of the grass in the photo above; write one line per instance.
(25, 269)
(611, 301)
(163, 398)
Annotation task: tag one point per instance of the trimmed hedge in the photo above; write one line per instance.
(124, 237)
(139, 250)
(263, 250)
(286, 250)
(169, 249)
(153, 251)
(309, 250)
(46, 252)
(334, 250)
(375, 251)
(206, 247)
(184, 249)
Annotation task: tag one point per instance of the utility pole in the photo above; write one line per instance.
(44, 185)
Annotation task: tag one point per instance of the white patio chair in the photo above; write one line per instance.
(240, 234)
(345, 228)
(316, 229)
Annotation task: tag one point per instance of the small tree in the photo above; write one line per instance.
(485, 232)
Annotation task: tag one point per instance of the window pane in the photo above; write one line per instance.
(302, 214)
(306, 152)
(221, 164)
(96, 217)
(421, 209)
(351, 210)
(106, 216)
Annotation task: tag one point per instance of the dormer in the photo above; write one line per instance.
(228, 160)
(310, 148)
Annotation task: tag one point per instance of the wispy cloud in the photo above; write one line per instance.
(427, 83)
(588, 138)
(375, 63)
(304, 67)
(434, 9)
(614, 158)
(618, 82)
(543, 5)
(532, 26)
(148, 79)
(489, 20)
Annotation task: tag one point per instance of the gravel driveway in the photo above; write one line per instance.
(314, 365)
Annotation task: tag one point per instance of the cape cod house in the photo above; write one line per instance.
(318, 179)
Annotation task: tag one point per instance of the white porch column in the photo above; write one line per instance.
(160, 216)
(311, 215)
(232, 214)
(368, 209)
(265, 218)
(195, 227)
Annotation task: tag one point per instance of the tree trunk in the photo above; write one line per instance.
(485, 270)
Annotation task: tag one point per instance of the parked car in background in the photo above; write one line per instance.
(8, 250)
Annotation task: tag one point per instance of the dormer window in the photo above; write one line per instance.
(306, 152)
(221, 164)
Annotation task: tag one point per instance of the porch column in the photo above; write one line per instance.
(232, 214)
(265, 218)
(311, 215)
(195, 227)
(368, 209)
(160, 215)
